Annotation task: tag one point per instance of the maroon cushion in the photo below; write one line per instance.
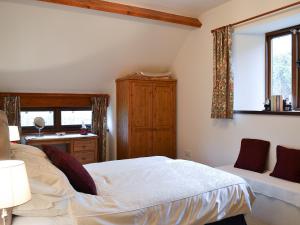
(253, 155)
(78, 176)
(288, 164)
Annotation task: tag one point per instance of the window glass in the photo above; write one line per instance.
(281, 66)
(27, 117)
(76, 117)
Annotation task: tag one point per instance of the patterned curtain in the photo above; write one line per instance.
(12, 107)
(99, 124)
(222, 102)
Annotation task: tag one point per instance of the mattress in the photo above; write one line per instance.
(156, 191)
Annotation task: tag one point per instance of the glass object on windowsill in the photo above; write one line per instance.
(39, 124)
(267, 105)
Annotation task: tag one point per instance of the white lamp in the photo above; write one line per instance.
(14, 134)
(14, 188)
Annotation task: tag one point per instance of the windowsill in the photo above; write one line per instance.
(284, 113)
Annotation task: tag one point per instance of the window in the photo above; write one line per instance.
(76, 117)
(282, 53)
(281, 66)
(56, 119)
(27, 118)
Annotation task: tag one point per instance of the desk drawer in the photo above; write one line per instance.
(85, 157)
(85, 145)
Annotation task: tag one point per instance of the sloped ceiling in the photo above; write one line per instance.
(53, 48)
(191, 8)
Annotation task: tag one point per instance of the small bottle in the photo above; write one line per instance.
(285, 104)
(267, 105)
(83, 129)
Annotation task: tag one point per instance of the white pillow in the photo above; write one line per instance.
(27, 150)
(50, 188)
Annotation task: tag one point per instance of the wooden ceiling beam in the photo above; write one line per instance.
(129, 10)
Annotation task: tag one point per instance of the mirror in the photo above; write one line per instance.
(39, 124)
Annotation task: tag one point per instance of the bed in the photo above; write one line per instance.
(152, 191)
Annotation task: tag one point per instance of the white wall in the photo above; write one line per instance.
(248, 62)
(216, 142)
(53, 48)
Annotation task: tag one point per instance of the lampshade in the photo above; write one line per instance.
(14, 134)
(14, 188)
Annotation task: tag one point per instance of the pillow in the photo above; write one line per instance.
(27, 151)
(50, 188)
(78, 176)
(288, 164)
(253, 155)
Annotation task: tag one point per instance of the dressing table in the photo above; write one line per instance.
(83, 147)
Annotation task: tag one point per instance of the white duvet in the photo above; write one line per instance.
(154, 191)
(159, 190)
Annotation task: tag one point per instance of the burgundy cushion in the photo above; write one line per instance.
(288, 164)
(253, 155)
(78, 176)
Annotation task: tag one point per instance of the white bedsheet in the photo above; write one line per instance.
(159, 191)
(273, 187)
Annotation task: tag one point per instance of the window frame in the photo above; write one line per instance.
(295, 70)
(57, 119)
(72, 127)
(32, 129)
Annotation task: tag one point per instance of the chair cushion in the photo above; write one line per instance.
(78, 176)
(288, 164)
(253, 155)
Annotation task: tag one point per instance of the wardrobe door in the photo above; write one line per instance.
(141, 119)
(122, 119)
(164, 111)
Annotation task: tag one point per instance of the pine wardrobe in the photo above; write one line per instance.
(146, 116)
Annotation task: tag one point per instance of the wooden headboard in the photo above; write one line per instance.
(4, 136)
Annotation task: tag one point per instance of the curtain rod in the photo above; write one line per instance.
(261, 15)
